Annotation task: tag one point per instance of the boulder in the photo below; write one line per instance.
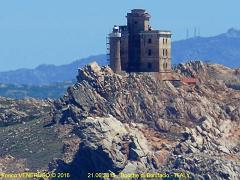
(107, 145)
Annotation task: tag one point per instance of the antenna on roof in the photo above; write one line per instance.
(187, 34)
(195, 32)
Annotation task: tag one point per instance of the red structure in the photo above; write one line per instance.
(189, 80)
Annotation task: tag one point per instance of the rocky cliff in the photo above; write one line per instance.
(124, 125)
(135, 123)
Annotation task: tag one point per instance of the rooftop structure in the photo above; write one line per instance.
(136, 47)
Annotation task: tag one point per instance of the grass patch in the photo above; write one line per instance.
(31, 141)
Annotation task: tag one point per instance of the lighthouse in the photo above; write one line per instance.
(115, 48)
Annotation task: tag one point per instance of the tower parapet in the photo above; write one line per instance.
(137, 21)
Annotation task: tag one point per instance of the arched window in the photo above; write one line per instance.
(166, 52)
(163, 52)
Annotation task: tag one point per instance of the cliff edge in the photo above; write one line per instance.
(135, 123)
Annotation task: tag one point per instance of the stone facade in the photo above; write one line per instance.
(141, 48)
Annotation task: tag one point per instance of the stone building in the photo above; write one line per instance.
(136, 47)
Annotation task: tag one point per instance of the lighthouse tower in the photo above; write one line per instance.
(115, 48)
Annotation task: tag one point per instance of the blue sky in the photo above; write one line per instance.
(61, 31)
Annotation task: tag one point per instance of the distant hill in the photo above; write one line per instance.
(53, 90)
(221, 49)
(47, 74)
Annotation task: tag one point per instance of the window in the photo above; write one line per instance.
(149, 52)
(165, 65)
(165, 52)
(149, 65)
(166, 40)
(149, 41)
(163, 40)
